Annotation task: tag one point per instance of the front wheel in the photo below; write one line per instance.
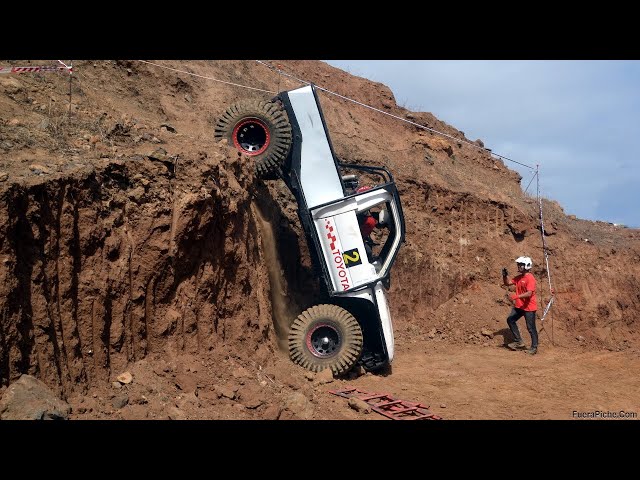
(259, 130)
(325, 336)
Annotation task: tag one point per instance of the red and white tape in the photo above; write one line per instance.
(54, 68)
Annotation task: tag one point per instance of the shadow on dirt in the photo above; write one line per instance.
(507, 336)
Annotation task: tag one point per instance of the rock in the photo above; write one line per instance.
(580, 338)
(309, 375)
(176, 414)
(138, 400)
(120, 401)
(116, 385)
(225, 392)
(272, 413)
(359, 405)
(168, 127)
(299, 405)
(30, 399)
(37, 168)
(207, 397)
(486, 333)
(253, 404)
(432, 333)
(325, 376)
(10, 85)
(125, 378)
(189, 399)
(158, 154)
(442, 405)
(3, 176)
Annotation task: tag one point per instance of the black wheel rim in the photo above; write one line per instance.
(251, 136)
(323, 340)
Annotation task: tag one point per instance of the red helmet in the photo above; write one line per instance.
(363, 189)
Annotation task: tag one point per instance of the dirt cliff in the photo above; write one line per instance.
(131, 241)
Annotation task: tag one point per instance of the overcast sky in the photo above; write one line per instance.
(579, 120)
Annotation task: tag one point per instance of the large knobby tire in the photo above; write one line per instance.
(325, 336)
(258, 129)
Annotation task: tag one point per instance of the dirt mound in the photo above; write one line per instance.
(130, 240)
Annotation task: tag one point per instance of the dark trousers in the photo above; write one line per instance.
(530, 318)
(368, 244)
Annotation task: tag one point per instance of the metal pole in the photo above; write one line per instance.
(70, 76)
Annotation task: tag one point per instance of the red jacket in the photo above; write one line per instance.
(525, 283)
(367, 226)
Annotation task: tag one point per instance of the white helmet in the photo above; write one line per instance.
(527, 262)
(383, 218)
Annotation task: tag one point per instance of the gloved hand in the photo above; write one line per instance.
(505, 273)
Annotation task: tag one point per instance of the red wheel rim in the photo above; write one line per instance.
(251, 136)
(323, 340)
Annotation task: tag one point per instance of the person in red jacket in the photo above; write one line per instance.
(368, 224)
(525, 303)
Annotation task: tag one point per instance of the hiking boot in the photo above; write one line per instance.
(532, 350)
(516, 345)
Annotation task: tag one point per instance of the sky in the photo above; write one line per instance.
(579, 120)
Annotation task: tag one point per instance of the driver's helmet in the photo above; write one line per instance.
(383, 218)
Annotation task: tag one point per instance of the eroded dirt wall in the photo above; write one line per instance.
(138, 255)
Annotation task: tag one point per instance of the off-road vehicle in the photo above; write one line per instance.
(288, 138)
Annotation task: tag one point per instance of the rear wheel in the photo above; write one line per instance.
(325, 336)
(257, 129)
